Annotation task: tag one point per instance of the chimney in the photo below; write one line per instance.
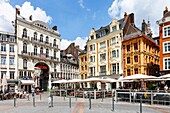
(30, 17)
(132, 18)
(165, 11)
(125, 15)
(54, 28)
(144, 27)
(18, 11)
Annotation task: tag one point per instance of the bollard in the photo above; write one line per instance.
(76, 95)
(151, 98)
(51, 100)
(70, 102)
(89, 101)
(116, 95)
(2, 96)
(130, 99)
(113, 106)
(33, 101)
(141, 104)
(28, 97)
(40, 96)
(14, 100)
(64, 95)
(102, 95)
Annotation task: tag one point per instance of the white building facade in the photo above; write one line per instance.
(38, 47)
(8, 62)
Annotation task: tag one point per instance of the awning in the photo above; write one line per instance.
(27, 82)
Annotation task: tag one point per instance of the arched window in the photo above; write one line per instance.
(24, 48)
(54, 54)
(41, 50)
(35, 36)
(41, 38)
(54, 44)
(47, 40)
(35, 50)
(47, 53)
(24, 32)
(25, 64)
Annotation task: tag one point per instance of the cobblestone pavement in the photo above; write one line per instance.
(80, 105)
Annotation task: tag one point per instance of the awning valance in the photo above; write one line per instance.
(27, 82)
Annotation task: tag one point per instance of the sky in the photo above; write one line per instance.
(75, 18)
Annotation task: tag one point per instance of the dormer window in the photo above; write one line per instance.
(24, 32)
(114, 28)
(102, 33)
(92, 37)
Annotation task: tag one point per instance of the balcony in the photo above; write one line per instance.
(3, 65)
(25, 78)
(25, 37)
(33, 39)
(12, 66)
(25, 53)
(102, 73)
(112, 72)
(3, 52)
(12, 53)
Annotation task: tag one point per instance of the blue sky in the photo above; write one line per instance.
(73, 20)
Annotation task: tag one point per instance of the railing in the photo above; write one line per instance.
(131, 96)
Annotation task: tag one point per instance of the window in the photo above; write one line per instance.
(2, 74)
(136, 70)
(114, 28)
(113, 69)
(24, 48)
(128, 47)
(35, 50)
(166, 31)
(47, 53)
(117, 68)
(11, 48)
(11, 74)
(35, 36)
(117, 53)
(102, 45)
(41, 50)
(103, 56)
(103, 70)
(41, 38)
(166, 63)
(4, 38)
(54, 54)
(85, 58)
(54, 44)
(3, 60)
(55, 65)
(135, 46)
(102, 33)
(92, 37)
(3, 47)
(25, 64)
(166, 48)
(113, 40)
(11, 38)
(81, 59)
(11, 61)
(47, 40)
(114, 53)
(92, 47)
(91, 58)
(128, 72)
(24, 32)
(128, 60)
(136, 58)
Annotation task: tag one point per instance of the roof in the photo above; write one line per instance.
(83, 52)
(166, 14)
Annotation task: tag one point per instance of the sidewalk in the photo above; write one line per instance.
(79, 106)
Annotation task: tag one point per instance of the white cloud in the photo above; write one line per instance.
(81, 3)
(143, 9)
(7, 14)
(78, 41)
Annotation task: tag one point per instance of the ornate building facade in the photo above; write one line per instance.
(140, 52)
(164, 34)
(38, 47)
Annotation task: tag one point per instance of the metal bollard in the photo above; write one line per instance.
(151, 97)
(70, 102)
(76, 95)
(141, 104)
(113, 104)
(33, 101)
(14, 100)
(40, 96)
(89, 101)
(130, 99)
(102, 95)
(52, 101)
(64, 95)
